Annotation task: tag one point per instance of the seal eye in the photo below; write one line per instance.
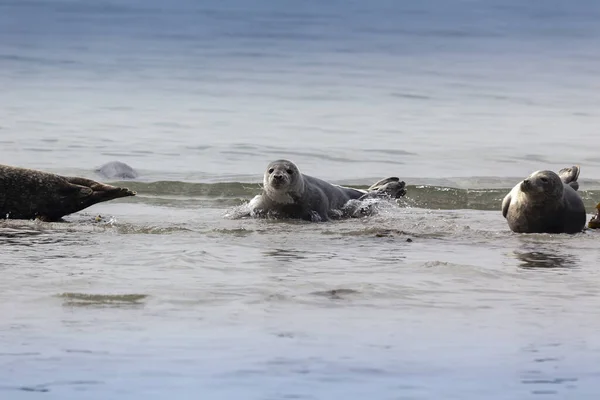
(544, 180)
(271, 170)
(289, 171)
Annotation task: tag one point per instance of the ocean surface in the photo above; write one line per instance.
(169, 297)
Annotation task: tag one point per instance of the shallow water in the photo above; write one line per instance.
(168, 297)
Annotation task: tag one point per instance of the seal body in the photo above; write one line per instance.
(117, 170)
(288, 193)
(29, 194)
(546, 202)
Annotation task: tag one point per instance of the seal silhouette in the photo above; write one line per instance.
(287, 193)
(546, 202)
(28, 194)
(117, 170)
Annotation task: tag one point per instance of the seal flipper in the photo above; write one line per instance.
(389, 187)
(505, 204)
(569, 176)
(382, 182)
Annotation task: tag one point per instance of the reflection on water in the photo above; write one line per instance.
(289, 255)
(46, 387)
(115, 300)
(285, 255)
(6, 234)
(545, 259)
(543, 375)
(545, 255)
(336, 294)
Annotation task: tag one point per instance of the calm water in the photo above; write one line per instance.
(168, 297)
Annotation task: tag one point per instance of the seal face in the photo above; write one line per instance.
(283, 182)
(288, 193)
(543, 185)
(546, 202)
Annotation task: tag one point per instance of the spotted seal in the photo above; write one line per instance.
(546, 202)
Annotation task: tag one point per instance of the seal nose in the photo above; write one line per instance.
(526, 181)
(278, 177)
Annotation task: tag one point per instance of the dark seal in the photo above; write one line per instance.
(29, 194)
(546, 202)
(287, 193)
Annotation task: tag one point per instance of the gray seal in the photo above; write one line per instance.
(546, 202)
(117, 170)
(28, 194)
(287, 193)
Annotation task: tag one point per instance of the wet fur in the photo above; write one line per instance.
(312, 199)
(29, 194)
(552, 208)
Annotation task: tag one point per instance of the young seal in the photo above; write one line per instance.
(117, 170)
(546, 203)
(29, 194)
(288, 193)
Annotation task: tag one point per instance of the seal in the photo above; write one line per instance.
(595, 220)
(117, 170)
(28, 194)
(288, 193)
(546, 202)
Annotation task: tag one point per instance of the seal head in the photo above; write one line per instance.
(117, 170)
(542, 185)
(283, 183)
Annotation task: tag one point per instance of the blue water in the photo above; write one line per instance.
(438, 88)
(350, 90)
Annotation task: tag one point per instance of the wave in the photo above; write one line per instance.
(178, 193)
